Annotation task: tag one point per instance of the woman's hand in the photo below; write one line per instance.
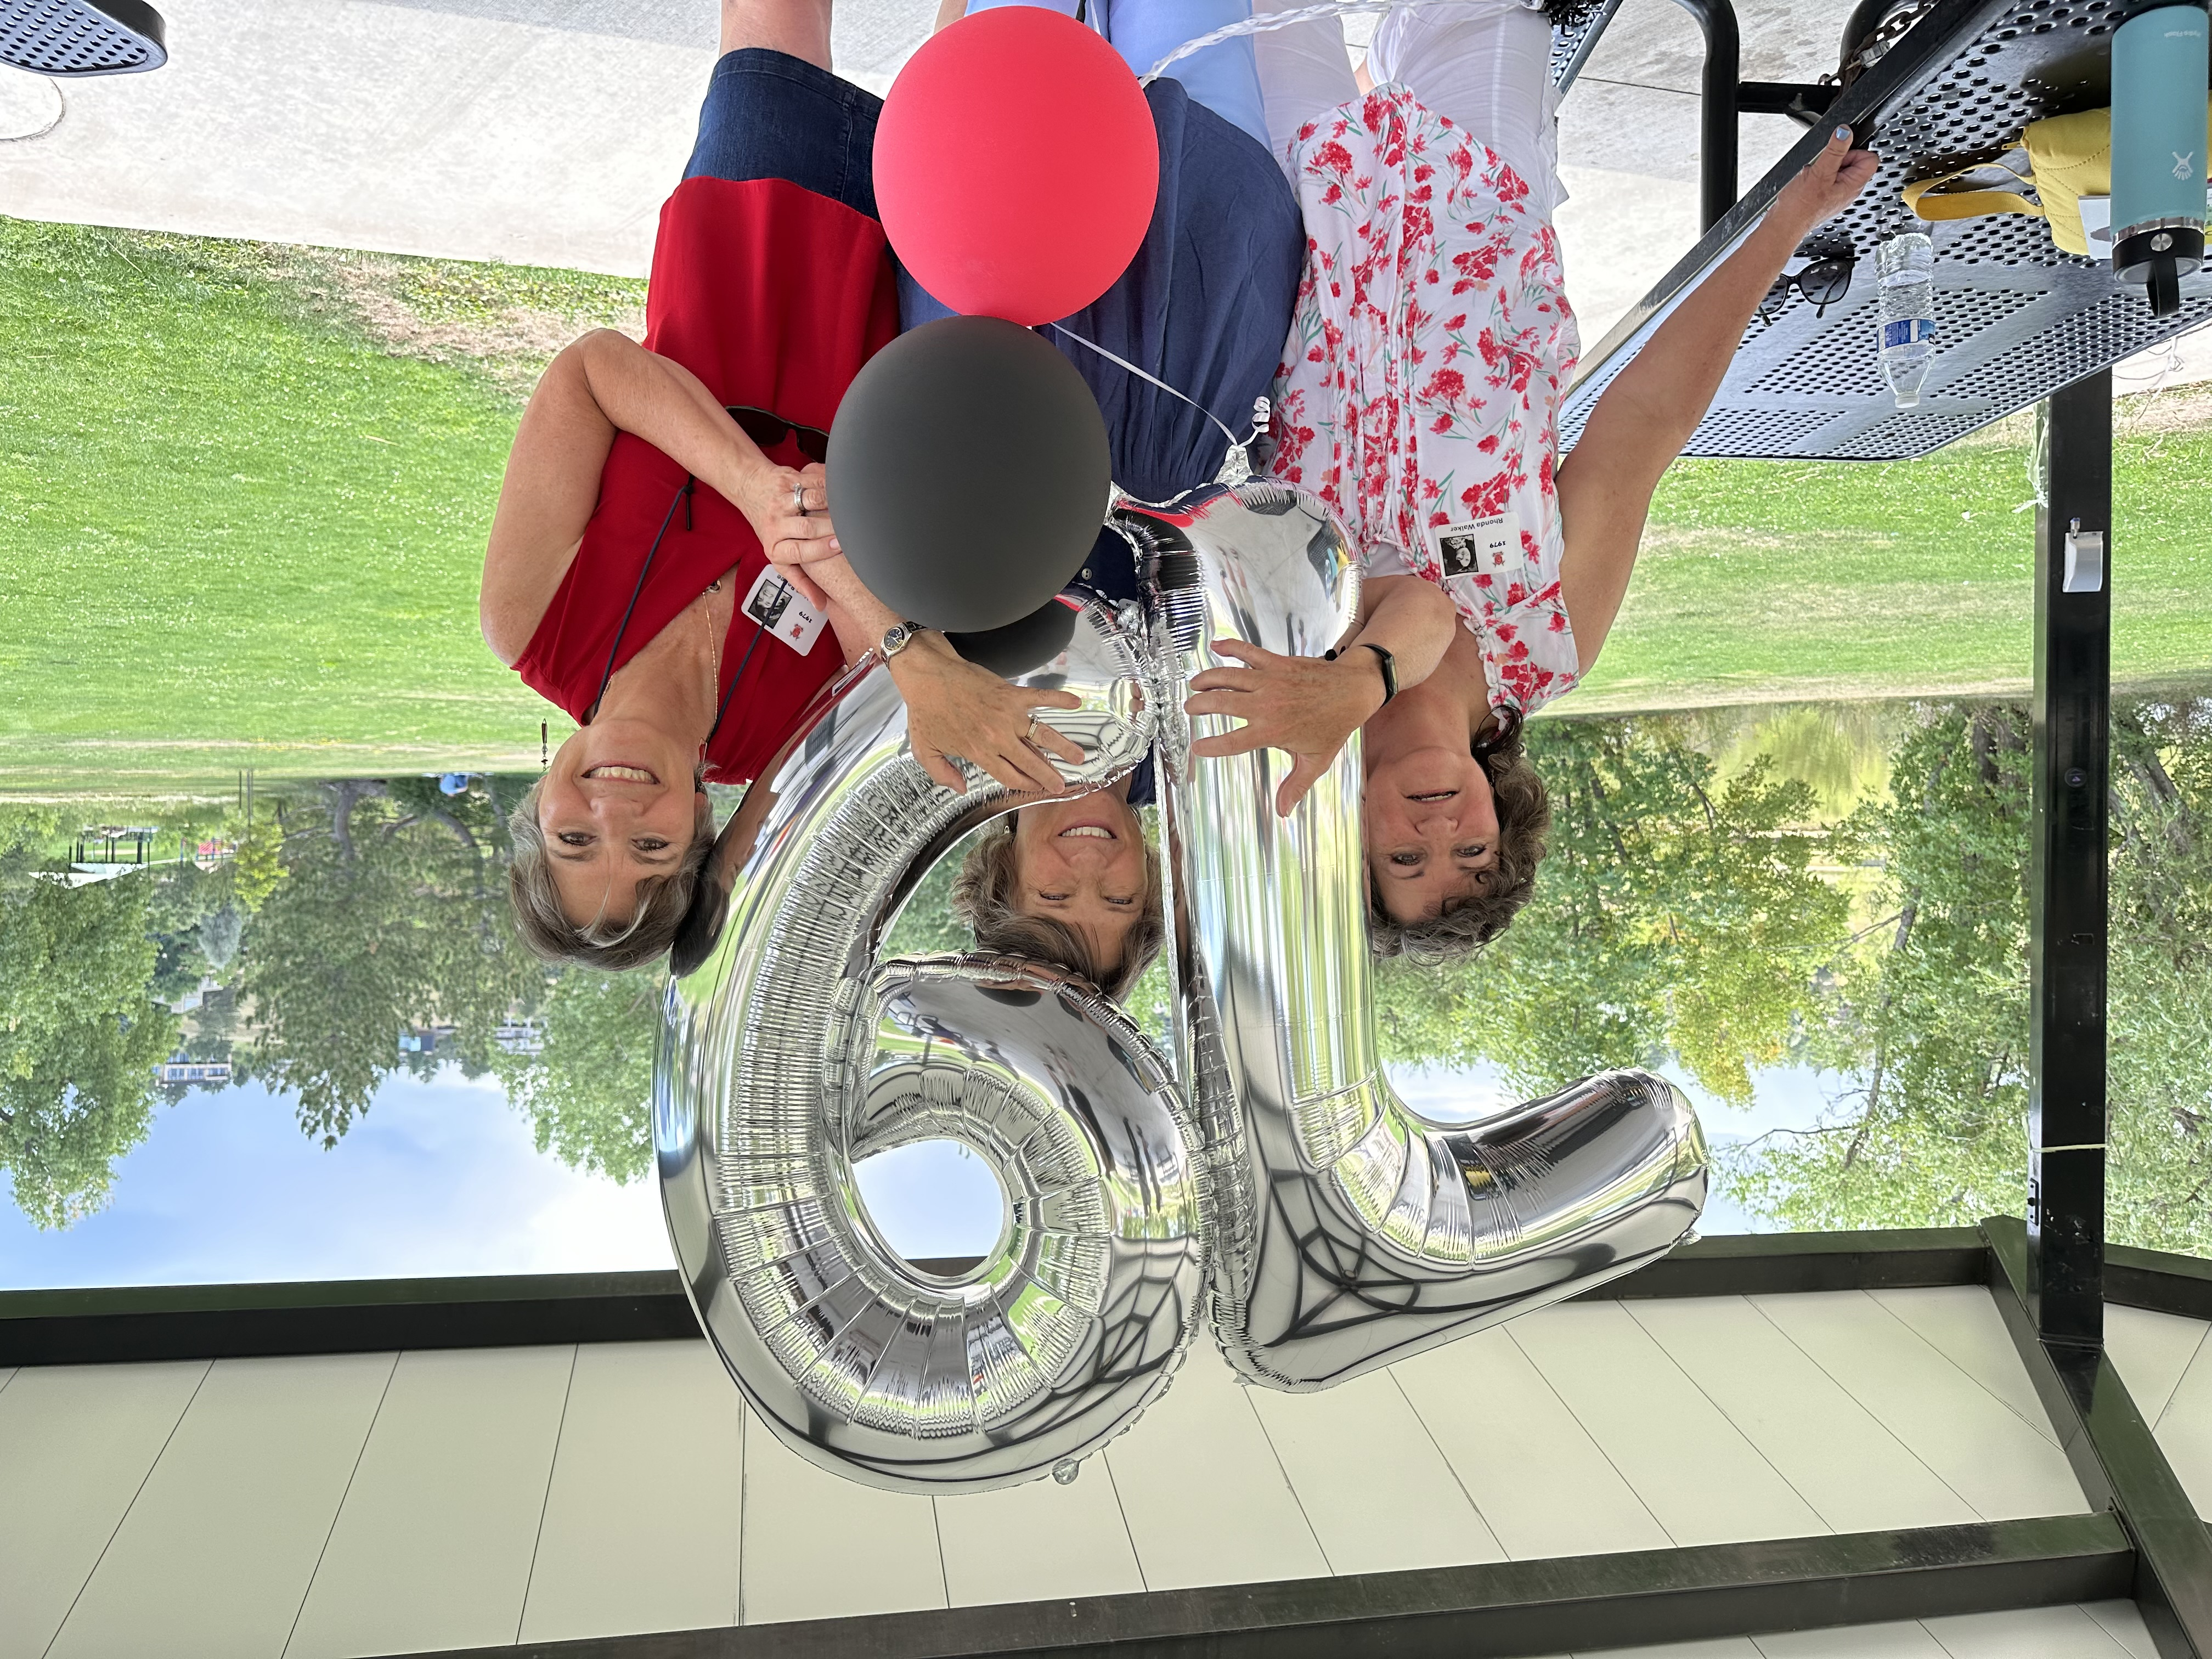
(954, 707)
(1824, 187)
(1305, 706)
(789, 512)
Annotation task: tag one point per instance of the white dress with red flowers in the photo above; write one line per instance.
(1419, 389)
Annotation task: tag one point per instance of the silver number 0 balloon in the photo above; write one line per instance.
(1272, 1173)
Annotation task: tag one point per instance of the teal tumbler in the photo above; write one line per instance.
(2159, 139)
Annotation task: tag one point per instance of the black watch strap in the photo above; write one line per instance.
(1388, 663)
(1389, 670)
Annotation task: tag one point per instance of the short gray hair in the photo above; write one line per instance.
(983, 897)
(612, 946)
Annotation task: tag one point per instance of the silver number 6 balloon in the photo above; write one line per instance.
(1272, 1173)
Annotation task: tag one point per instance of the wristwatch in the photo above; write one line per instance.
(1387, 663)
(896, 638)
(1389, 672)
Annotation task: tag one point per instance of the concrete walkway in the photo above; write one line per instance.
(547, 132)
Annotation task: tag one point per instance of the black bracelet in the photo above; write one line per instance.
(1389, 672)
(1389, 665)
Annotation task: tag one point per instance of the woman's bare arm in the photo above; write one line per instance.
(1410, 617)
(1649, 412)
(603, 384)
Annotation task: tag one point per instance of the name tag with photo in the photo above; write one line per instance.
(783, 611)
(1479, 544)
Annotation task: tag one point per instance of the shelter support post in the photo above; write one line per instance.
(2068, 866)
(1716, 108)
(2115, 1456)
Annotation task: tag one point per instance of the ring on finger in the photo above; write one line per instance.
(799, 500)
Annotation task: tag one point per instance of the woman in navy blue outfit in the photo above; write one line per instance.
(1203, 306)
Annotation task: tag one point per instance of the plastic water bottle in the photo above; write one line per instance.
(1906, 265)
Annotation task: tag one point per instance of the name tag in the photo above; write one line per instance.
(782, 610)
(1477, 545)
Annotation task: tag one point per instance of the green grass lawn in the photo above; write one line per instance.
(237, 528)
(1772, 579)
(243, 493)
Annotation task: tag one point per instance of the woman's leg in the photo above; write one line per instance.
(792, 120)
(1486, 68)
(799, 28)
(1303, 70)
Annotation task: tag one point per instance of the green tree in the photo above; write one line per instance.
(258, 865)
(2160, 968)
(27, 839)
(390, 915)
(588, 1091)
(79, 1037)
(1674, 914)
(1931, 1022)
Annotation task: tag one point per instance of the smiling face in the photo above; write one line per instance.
(617, 806)
(1082, 862)
(1429, 826)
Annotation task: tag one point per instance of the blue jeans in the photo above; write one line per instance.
(771, 116)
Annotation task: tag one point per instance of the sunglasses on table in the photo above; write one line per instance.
(1822, 282)
(765, 426)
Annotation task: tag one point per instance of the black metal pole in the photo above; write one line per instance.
(1716, 134)
(2067, 868)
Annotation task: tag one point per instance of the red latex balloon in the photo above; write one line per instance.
(1016, 164)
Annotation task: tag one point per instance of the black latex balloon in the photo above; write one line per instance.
(1022, 646)
(968, 473)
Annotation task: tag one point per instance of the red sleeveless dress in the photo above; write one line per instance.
(774, 296)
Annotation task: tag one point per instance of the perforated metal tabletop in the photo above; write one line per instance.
(2018, 318)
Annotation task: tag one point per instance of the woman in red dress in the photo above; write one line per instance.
(654, 567)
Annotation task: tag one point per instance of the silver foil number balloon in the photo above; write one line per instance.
(792, 1053)
(1273, 1173)
(1350, 1230)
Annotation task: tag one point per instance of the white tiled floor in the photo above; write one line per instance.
(217, 1552)
(1041, 1540)
(1855, 1474)
(446, 1501)
(1693, 1468)
(1206, 1495)
(803, 1526)
(1966, 1434)
(1538, 1478)
(283, 1509)
(1395, 1504)
(641, 1530)
(2167, 1363)
(76, 1444)
(2108, 1630)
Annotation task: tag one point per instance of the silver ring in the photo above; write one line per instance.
(799, 500)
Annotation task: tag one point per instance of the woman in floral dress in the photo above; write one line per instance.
(1418, 396)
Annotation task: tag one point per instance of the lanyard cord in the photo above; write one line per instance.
(682, 496)
(759, 629)
(683, 499)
